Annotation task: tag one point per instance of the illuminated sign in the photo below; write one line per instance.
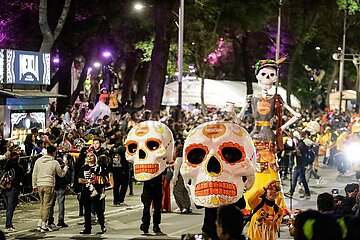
(24, 67)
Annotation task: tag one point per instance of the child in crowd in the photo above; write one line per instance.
(98, 178)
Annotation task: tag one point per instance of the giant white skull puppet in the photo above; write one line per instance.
(149, 145)
(266, 76)
(217, 155)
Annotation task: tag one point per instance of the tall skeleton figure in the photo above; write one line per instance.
(266, 106)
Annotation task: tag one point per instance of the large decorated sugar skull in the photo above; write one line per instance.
(266, 73)
(149, 145)
(217, 155)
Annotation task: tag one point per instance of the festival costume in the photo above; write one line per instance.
(264, 140)
(267, 143)
(150, 146)
(265, 222)
(218, 159)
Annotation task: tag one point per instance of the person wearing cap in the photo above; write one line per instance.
(347, 205)
(266, 214)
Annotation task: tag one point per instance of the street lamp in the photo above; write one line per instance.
(180, 49)
(355, 58)
(342, 59)
(356, 61)
(139, 6)
(180, 26)
(277, 52)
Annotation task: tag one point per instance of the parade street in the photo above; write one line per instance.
(123, 222)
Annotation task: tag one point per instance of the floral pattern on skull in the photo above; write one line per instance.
(149, 145)
(217, 155)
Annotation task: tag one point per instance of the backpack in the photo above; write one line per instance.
(6, 180)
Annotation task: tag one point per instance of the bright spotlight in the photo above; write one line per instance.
(139, 6)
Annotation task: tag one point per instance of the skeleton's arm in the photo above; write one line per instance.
(238, 118)
(296, 116)
(250, 181)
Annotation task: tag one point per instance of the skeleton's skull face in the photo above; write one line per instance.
(266, 77)
(216, 157)
(150, 146)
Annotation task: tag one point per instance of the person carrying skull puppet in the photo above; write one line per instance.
(218, 164)
(150, 146)
(265, 107)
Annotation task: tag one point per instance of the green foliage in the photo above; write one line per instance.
(353, 6)
(146, 47)
(172, 68)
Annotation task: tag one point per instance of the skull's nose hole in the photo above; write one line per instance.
(213, 165)
(244, 179)
(142, 154)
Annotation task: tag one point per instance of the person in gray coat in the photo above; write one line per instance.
(43, 181)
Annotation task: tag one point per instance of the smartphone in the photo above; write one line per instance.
(335, 191)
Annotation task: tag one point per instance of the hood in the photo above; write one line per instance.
(47, 158)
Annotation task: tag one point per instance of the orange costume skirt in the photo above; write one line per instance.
(266, 170)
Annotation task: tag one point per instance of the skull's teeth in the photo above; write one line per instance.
(215, 188)
(146, 168)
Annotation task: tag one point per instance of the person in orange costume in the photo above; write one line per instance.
(267, 215)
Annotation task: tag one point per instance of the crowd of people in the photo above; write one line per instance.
(78, 152)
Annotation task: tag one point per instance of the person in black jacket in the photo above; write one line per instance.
(84, 178)
(301, 161)
(11, 194)
(347, 205)
(120, 170)
(152, 193)
(60, 189)
(229, 223)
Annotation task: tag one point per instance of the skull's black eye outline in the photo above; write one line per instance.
(153, 144)
(131, 147)
(195, 154)
(232, 153)
(272, 74)
(263, 74)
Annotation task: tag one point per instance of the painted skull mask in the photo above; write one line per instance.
(216, 157)
(266, 77)
(149, 145)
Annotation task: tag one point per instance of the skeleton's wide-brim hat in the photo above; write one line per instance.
(264, 64)
(268, 63)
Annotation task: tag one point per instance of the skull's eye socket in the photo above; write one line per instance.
(272, 74)
(131, 147)
(232, 153)
(153, 144)
(195, 154)
(263, 74)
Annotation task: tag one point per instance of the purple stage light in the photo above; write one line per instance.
(106, 54)
(56, 60)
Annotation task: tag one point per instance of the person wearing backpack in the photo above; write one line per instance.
(266, 214)
(12, 191)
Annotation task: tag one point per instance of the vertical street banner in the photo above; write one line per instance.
(2, 64)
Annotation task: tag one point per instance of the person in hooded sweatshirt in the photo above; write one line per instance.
(43, 181)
